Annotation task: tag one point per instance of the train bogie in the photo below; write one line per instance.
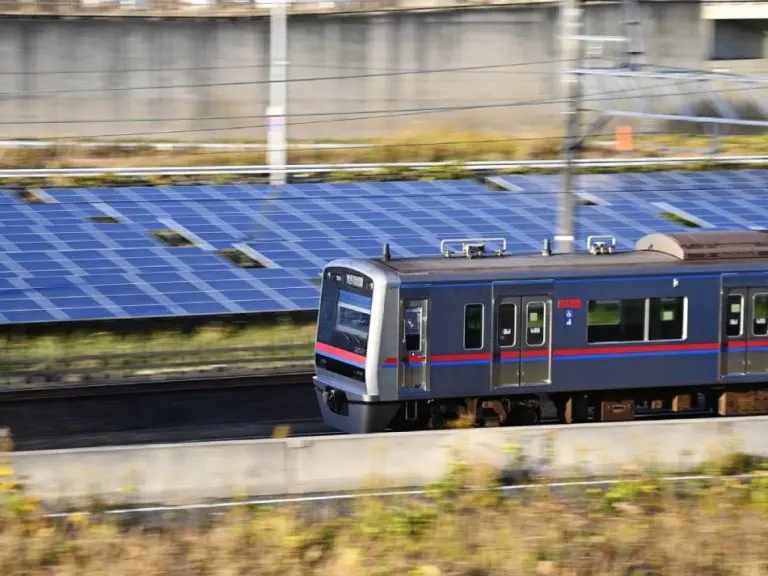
(678, 325)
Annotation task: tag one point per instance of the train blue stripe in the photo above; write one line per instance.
(573, 357)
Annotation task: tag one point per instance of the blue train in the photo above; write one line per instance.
(479, 336)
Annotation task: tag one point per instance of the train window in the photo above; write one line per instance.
(413, 329)
(734, 315)
(604, 312)
(353, 314)
(760, 314)
(667, 319)
(473, 326)
(535, 324)
(616, 321)
(507, 324)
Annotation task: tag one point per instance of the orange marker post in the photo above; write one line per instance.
(624, 141)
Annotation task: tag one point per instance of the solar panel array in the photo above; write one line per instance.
(58, 264)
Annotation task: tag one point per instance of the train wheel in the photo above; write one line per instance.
(571, 409)
(528, 414)
(437, 417)
(525, 413)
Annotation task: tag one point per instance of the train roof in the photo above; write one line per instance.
(747, 247)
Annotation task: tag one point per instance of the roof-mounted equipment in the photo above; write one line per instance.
(598, 245)
(473, 247)
(708, 245)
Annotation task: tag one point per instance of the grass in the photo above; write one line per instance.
(83, 340)
(428, 145)
(641, 526)
(433, 145)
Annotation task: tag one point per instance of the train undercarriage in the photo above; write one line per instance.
(571, 408)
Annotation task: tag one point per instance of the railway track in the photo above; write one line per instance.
(194, 409)
(129, 399)
(213, 410)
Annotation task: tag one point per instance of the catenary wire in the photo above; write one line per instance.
(372, 114)
(288, 81)
(367, 114)
(376, 114)
(264, 66)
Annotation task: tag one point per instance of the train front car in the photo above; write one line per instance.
(348, 346)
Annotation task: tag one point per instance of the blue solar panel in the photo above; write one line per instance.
(57, 263)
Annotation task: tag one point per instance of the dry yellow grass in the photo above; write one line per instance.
(638, 527)
(432, 145)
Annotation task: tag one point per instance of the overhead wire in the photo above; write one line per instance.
(621, 94)
(365, 114)
(475, 68)
(112, 72)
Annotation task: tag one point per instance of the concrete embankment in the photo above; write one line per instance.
(185, 473)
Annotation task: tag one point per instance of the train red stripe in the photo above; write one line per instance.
(636, 348)
(344, 354)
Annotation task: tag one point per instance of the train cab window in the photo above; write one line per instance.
(666, 319)
(507, 324)
(735, 315)
(473, 326)
(760, 315)
(413, 329)
(535, 324)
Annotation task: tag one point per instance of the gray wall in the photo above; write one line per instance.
(115, 57)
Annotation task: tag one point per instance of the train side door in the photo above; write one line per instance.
(414, 346)
(756, 329)
(522, 349)
(734, 331)
(505, 369)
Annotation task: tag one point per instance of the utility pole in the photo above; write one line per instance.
(277, 142)
(572, 51)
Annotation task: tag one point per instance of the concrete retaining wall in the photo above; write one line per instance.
(193, 472)
(220, 70)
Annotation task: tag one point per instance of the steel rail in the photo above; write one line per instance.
(298, 373)
(371, 167)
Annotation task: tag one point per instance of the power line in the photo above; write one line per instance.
(263, 82)
(227, 67)
(377, 114)
(366, 114)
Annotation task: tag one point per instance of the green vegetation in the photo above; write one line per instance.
(20, 342)
(677, 219)
(437, 145)
(642, 525)
(172, 238)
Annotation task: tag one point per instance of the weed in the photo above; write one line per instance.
(639, 526)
